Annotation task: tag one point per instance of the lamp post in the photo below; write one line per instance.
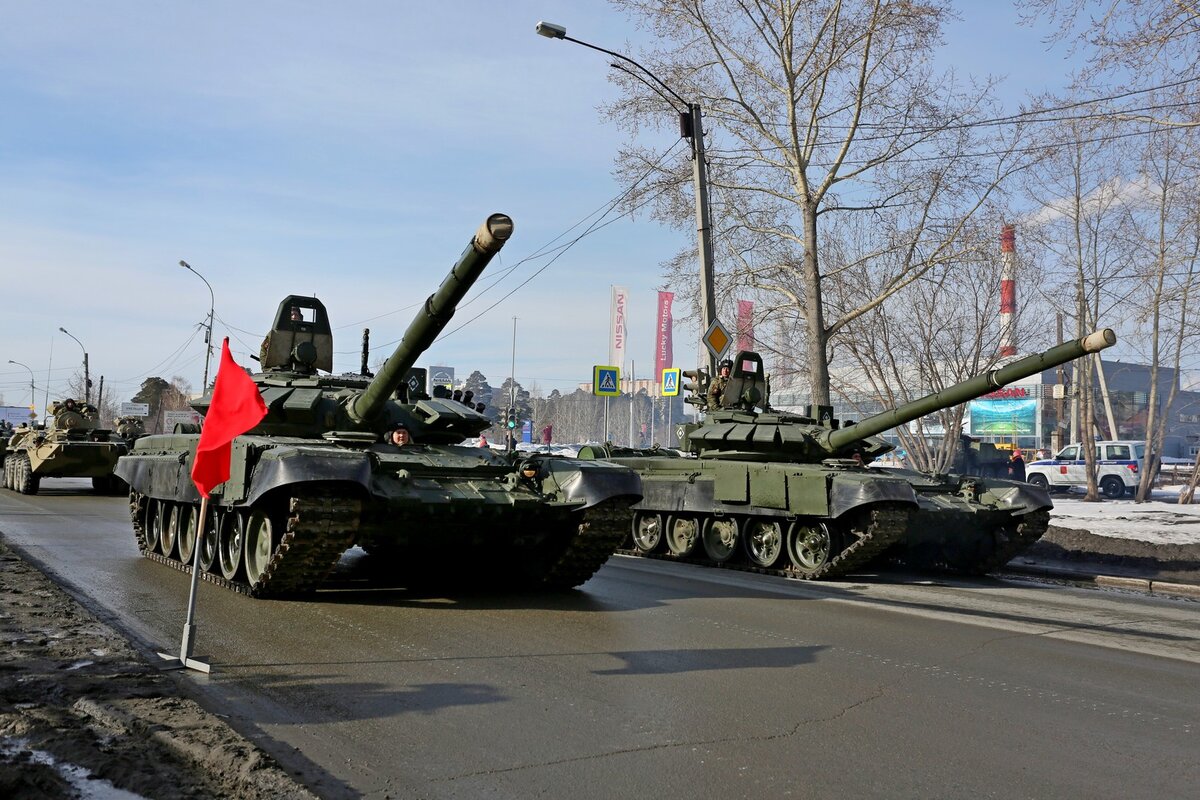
(691, 126)
(510, 429)
(212, 302)
(32, 398)
(87, 381)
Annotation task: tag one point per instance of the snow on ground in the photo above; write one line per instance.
(1161, 520)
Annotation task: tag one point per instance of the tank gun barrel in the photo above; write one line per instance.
(433, 316)
(971, 388)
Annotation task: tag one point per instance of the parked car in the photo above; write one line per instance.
(1119, 466)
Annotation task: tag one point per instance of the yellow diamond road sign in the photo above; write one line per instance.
(716, 338)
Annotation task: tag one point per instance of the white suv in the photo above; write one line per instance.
(1119, 467)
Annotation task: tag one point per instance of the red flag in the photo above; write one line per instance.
(236, 408)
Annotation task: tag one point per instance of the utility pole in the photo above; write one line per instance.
(32, 399)
(1056, 435)
(87, 381)
(512, 392)
(691, 126)
(212, 302)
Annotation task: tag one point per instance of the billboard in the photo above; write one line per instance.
(15, 415)
(663, 349)
(440, 376)
(616, 335)
(1012, 417)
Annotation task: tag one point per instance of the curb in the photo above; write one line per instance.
(1146, 585)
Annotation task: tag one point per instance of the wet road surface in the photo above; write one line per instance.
(665, 680)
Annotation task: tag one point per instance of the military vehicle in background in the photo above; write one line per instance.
(130, 429)
(984, 459)
(790, 492)
(70, 445)
(314, 478)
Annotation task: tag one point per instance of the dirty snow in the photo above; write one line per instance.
(1161, 520)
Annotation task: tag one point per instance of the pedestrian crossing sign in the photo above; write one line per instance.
(606, 381)
(670, 382)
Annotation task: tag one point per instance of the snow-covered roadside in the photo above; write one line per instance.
(1161, 520)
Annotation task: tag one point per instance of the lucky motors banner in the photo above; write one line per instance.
(663, 347)
(745, 325)
(1004, 417)
(617, 316)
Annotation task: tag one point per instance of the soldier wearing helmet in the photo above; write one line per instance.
(717, 388)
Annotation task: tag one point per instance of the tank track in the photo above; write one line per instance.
(604, 526)
(886, 527)
(320, 528)
(1019, 537)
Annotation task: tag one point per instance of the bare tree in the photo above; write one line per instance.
(936, 332)
(1145, 39)
(1170, 245)
(820, 111)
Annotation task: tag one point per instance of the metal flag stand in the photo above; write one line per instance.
(184, 660)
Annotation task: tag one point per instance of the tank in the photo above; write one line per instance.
(316, 476)
(70, 445)
(794, 493)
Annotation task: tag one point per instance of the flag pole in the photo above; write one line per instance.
(184, 659)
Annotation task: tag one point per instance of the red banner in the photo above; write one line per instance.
(745, 325)
(663, 347)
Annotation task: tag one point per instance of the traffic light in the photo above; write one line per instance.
(510, 418)
(694, 381)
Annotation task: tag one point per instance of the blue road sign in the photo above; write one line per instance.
(670, 382)
(606, 381)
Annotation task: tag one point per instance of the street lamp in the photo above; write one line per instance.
(87, 381)
(691, 126)
(32, 397)
(212, 301)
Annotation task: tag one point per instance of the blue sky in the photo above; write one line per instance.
(347, 150)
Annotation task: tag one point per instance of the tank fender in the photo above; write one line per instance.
(296, 467)
(847, 493)
(591, 482)
(1018, 496)
(163, 476)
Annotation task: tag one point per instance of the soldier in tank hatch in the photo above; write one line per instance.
(717, 387)
(399, 436)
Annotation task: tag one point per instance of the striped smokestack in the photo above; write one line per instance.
(1008, 291)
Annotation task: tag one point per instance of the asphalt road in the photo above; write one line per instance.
(668, 681)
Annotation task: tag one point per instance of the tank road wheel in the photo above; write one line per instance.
(764, 542)
(810, 546)
(1112, 487)
(169, 533)
(156, 522)
(229, 544)
(7, 473)
(683, 534)
(648, 532)
(208, 549)
(720, 538)
(186, 532)
(261, 536)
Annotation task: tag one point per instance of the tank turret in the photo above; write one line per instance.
(303, 403)
(734, 429)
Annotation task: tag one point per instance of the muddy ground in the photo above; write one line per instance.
(83, 715)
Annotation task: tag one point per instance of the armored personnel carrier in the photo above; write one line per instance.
(791, 493)
(320, 472)
(70, 445)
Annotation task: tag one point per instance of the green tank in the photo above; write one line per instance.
(316, 476)
(792, 493)
(70, 445)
